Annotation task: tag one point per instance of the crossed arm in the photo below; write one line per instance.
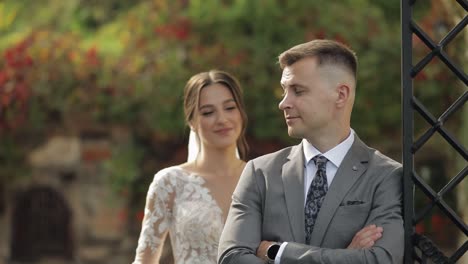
(363, 239)
(241, 241)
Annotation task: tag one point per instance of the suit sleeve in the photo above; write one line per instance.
(242, 232)
(385, 212)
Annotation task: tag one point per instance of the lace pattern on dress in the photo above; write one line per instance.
(178, 202)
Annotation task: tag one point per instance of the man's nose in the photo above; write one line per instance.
(284, 103)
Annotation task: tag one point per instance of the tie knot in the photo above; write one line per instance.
(320, 161)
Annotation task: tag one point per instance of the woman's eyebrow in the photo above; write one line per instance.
(212, 106)
(229, 100)
(206, 106)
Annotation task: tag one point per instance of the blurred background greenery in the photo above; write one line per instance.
(87, 67)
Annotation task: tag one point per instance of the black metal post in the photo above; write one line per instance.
(408, 123)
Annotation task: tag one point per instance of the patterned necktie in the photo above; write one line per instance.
(315, 195)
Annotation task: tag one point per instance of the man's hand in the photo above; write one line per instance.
(366, 237)
(262, 249)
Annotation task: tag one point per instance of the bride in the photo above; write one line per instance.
(190, 201)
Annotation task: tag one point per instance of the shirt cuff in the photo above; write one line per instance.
(280, 252)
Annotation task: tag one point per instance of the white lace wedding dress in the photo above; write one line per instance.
(178, 203)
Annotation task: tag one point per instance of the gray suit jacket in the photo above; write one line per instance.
(268, 204)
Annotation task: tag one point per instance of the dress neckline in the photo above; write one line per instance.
(202, 185)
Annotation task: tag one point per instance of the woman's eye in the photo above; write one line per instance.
(230, 108)
(298, 92)
(207, 113)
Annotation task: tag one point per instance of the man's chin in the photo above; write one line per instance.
(294, 134)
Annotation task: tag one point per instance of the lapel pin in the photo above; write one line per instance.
(354, 168)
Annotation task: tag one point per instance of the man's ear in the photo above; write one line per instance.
(344, 92)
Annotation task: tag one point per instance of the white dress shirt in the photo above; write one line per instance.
(335, 156)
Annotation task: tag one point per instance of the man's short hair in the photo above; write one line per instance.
(327, 52)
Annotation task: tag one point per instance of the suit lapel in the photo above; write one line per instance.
(353, 166)
(293, 181)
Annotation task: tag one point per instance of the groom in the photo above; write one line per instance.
(330, 199)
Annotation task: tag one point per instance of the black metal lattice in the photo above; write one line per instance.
(419, 248)
(41, 226)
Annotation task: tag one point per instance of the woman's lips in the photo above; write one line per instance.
(223, 131)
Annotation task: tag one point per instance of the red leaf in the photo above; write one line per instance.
(140, 215)
(420, 228)
(3, 77)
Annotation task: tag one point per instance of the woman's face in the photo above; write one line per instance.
(218, 121)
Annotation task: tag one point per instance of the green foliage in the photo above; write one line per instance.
(126, 62)
(131, 66)
(11, 156)
(124, 166)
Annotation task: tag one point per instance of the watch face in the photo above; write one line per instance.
(272, 251)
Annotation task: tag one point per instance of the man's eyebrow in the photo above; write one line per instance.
(298, 85)
(293, 85)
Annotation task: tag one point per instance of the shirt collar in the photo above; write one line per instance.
(335, 155)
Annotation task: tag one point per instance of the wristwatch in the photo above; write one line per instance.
(271, 252)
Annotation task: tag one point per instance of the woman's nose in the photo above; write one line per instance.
(221, 117)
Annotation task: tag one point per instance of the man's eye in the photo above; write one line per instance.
(298, 92)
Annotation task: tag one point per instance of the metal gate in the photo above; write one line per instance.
(41, 226)
(418, 248)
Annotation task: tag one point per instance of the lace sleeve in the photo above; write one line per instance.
(157, 218)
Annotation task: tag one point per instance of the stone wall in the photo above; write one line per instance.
(72, 166)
